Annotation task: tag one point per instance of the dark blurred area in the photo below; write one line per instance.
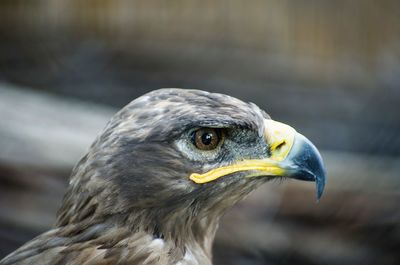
(331, 69)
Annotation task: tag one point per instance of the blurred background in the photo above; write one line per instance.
(331, 69)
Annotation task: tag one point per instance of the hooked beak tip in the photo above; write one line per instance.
(306, 163)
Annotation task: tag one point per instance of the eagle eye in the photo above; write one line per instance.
(207, 138)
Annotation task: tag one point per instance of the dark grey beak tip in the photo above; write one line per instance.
(320, 185)
(308, 164)
(318, 170)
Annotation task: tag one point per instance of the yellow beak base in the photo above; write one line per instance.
(263, 167)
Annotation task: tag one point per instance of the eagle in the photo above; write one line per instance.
(153, 185)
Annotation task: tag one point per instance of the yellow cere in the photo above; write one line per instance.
(280, 138)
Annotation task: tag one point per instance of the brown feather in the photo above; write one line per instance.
(130, 200)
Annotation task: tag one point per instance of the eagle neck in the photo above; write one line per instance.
(178, 228)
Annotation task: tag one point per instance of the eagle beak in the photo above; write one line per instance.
(295, 154)
(291, 155)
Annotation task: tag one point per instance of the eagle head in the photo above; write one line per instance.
(154, 183)
(182, 155)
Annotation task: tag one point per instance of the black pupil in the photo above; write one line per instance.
(206, 138)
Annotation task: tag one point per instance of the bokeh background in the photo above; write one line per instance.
(329, 68)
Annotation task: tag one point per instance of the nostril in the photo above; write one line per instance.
(280, 149)
(280, 145)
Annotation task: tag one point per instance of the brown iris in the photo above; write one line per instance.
(207, 138)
